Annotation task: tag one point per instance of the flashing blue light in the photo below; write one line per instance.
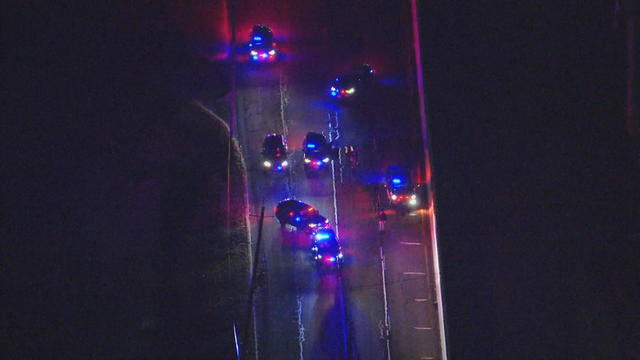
(279, 167)
(319, 162)
(298, 218)
(255, 57)
(333, 93)
(322, 236)
(332, 259)
(257, 38)
(311, 146)
(396, 181)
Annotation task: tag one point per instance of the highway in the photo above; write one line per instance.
(301, 314)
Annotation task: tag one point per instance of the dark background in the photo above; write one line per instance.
(536, 178)
(114, 237)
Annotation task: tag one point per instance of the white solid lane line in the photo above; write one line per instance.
(300, 329)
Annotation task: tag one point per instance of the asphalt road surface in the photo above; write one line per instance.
(301, 313)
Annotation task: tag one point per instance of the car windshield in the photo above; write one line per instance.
(261, 35)
(316, 155)
(398, 176)
(347, 80)
(273, 143)
(315, 141)
(327, 246)
(292, 206)
(403, 190)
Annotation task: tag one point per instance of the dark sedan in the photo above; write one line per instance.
(300, 215)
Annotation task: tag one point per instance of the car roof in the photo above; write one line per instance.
(311, 214)
(264, 31)
(397, 170)
(315, 137)
(274, 140)
(327, 245)
(347, 79)
(261, 27)
(292, 202)
(364, 70)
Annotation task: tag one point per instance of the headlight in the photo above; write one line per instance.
(333, 88)
(312, 225)
(254, 53)
(319, 257)
(267, 163)
(350, 91)
(394, 197)
(307, 160)
(413, 196)
(325, 160)
(272, 52)
(285, 163)
(413, 202)
(340, 255)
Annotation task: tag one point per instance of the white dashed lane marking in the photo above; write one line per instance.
(410, 243)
